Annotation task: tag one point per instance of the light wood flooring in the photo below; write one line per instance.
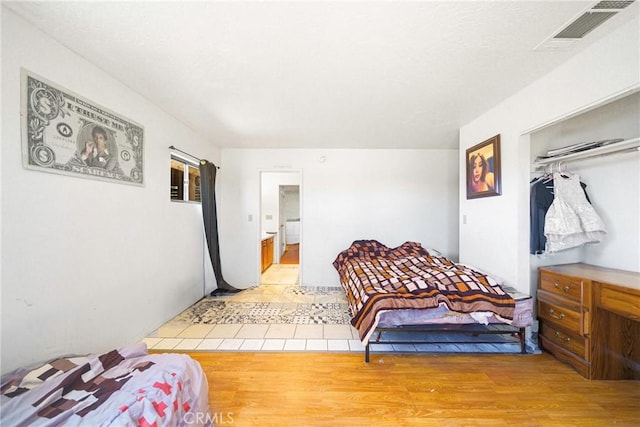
(331, 389)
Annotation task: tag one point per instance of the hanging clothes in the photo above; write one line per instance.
(538, 210)
(571, 221)
(541, 198)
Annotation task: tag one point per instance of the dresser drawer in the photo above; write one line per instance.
(624, 302)
(566, 286)
(567, 318)
(571, 342)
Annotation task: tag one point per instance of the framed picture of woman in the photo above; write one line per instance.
(483, 169)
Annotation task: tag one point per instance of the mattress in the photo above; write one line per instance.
(411, 285)
(123, 387)
(441, 315)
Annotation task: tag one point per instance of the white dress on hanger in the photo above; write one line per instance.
(571, 220)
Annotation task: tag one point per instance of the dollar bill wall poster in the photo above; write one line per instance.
(67, 134)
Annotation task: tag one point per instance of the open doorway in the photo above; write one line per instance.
(280, 228)
(290, 211)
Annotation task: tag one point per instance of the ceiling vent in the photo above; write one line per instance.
(579, 27)
(583, 25)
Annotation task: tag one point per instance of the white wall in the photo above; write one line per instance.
(496, 236)
(290, 203)
(89, 265)
(388, 195)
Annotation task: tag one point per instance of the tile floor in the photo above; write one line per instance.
(180, 334)
(279, 315)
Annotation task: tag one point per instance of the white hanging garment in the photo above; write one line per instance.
(571, 221)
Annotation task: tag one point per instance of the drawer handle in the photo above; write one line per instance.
(565, 288)
(559, 316)
(557, 335)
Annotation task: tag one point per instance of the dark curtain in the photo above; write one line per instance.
(210, 217)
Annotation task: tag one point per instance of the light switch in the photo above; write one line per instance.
(269, 217)
(250, 218)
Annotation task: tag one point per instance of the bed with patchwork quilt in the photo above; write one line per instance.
(124, 387)
(411, 288)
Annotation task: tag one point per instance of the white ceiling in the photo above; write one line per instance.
(318, 74)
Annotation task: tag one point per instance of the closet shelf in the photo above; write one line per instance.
(626, 145)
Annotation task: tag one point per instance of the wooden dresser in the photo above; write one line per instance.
(590, 318)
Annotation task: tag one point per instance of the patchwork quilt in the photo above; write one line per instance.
(125, 387)
(377, 278)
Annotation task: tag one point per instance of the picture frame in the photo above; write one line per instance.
(483, 169)
(67, 134)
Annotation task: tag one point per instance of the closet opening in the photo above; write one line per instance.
(598, 148)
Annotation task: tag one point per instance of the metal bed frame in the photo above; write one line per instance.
(468, 329)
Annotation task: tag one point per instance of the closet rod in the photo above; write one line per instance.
(190, 155)
(632, 144)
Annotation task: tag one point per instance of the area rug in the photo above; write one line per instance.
(217, 310)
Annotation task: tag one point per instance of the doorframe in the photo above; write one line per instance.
(261, 173)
